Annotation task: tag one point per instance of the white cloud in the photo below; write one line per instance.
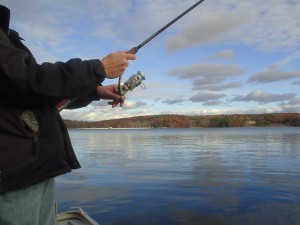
(209, 27)
(265, 97)
(175, 101)
(224, 54)
(210, 73)
(206, 97)
(134, 105)
(269, 25)
(199, 85)
(291, 106)
(272, 73)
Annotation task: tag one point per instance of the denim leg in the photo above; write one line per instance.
(34, 205)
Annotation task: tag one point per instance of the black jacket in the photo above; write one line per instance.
(34, 142)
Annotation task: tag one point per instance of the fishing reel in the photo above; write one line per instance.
(133, 81)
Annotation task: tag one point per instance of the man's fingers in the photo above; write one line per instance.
(119, 100)
(130, 56)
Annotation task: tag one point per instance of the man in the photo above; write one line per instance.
(34, 142)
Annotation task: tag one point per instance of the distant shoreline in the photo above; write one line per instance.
(161, 128)
(183, 121)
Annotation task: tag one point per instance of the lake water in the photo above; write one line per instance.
(214, 176)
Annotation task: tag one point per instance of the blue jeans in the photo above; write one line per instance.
(34, 205)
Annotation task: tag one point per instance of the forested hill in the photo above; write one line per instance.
(182, 121)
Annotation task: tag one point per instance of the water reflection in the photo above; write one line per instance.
(186, 176)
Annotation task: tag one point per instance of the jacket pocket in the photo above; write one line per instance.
(19, 142)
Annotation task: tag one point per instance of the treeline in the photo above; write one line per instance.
(181, 121)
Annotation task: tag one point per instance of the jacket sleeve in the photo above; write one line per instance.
(21, 76)
(78, 102)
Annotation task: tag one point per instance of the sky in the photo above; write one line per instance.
(224, 57)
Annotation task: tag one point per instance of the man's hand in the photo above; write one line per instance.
(116, 63)
(109, 92)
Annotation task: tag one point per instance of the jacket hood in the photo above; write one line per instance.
(4, 18)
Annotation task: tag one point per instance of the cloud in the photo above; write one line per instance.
(98, 111)
(133, 105)
(225, 54)
(210, 73)
(175, 101)
(199, 85)
(54, 35)
(207, 28)
(296, 82)
(143, 18)
(264, 97)
(271, 25)
(272, 74)
(273, 28)
(212, 103)
(252, 23)
(206, 97)
(209, 76)
(291, 106)
(128, 104)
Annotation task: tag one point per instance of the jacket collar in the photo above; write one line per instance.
(4, 18)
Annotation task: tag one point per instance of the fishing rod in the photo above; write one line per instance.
(135, 49)
(136, 79)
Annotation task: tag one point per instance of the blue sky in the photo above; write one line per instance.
(224, 57)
